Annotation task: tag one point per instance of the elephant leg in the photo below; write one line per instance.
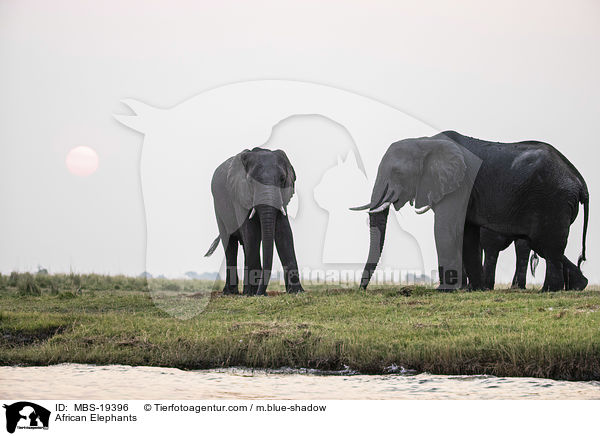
(566, 276)
(551, 248)
(493, 243)
(464, 282)
(449, 228)
(522, 252)
(252, 264)
(252, 268)
(472, 256)
(284, 241)
(231, 276)
(490, 262)
(554, 280)
(574, 278)
(448, 244)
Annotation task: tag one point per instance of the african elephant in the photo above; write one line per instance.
(526, 189)
(251, 191)
(493, 243)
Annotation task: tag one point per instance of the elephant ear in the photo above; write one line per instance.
(290, 182)
(443, 171)
(237, 180)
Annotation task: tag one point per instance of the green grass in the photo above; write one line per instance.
(114, 320)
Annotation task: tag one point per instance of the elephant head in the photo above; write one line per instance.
(421, 171)
(260, 184)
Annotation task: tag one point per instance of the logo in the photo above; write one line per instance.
(26, 415)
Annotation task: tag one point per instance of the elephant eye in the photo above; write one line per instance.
(282, 180)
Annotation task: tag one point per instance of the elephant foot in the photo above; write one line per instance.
(582, 285)
(443, 288)
(295, 290)
(579, 285)
(249, 291)
(262, 290)
(518, 283)
(230, 290)
(546, 288)
(478, 286)
(553, 286)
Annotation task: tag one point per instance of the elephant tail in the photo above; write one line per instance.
(533, 263)
(213, 247)
(585, 200)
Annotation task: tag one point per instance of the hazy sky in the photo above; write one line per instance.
(510, 71)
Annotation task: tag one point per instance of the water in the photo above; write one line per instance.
(75, 381)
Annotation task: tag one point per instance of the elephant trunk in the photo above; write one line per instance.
(377, 225)
(381, 191)
(268, 216)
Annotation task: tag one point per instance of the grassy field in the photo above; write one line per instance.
(114, 320)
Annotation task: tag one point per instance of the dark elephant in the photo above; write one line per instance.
(251, 192)
(525, 190)
(493, 243)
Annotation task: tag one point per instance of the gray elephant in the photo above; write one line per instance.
(523, 190)
(251, 191)
(493, 243)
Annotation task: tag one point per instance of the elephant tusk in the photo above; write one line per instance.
(384, 206)
(283, 211)
(366, 206)
(422, 211)
(252, 213)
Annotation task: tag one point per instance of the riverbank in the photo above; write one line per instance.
(506, 333)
